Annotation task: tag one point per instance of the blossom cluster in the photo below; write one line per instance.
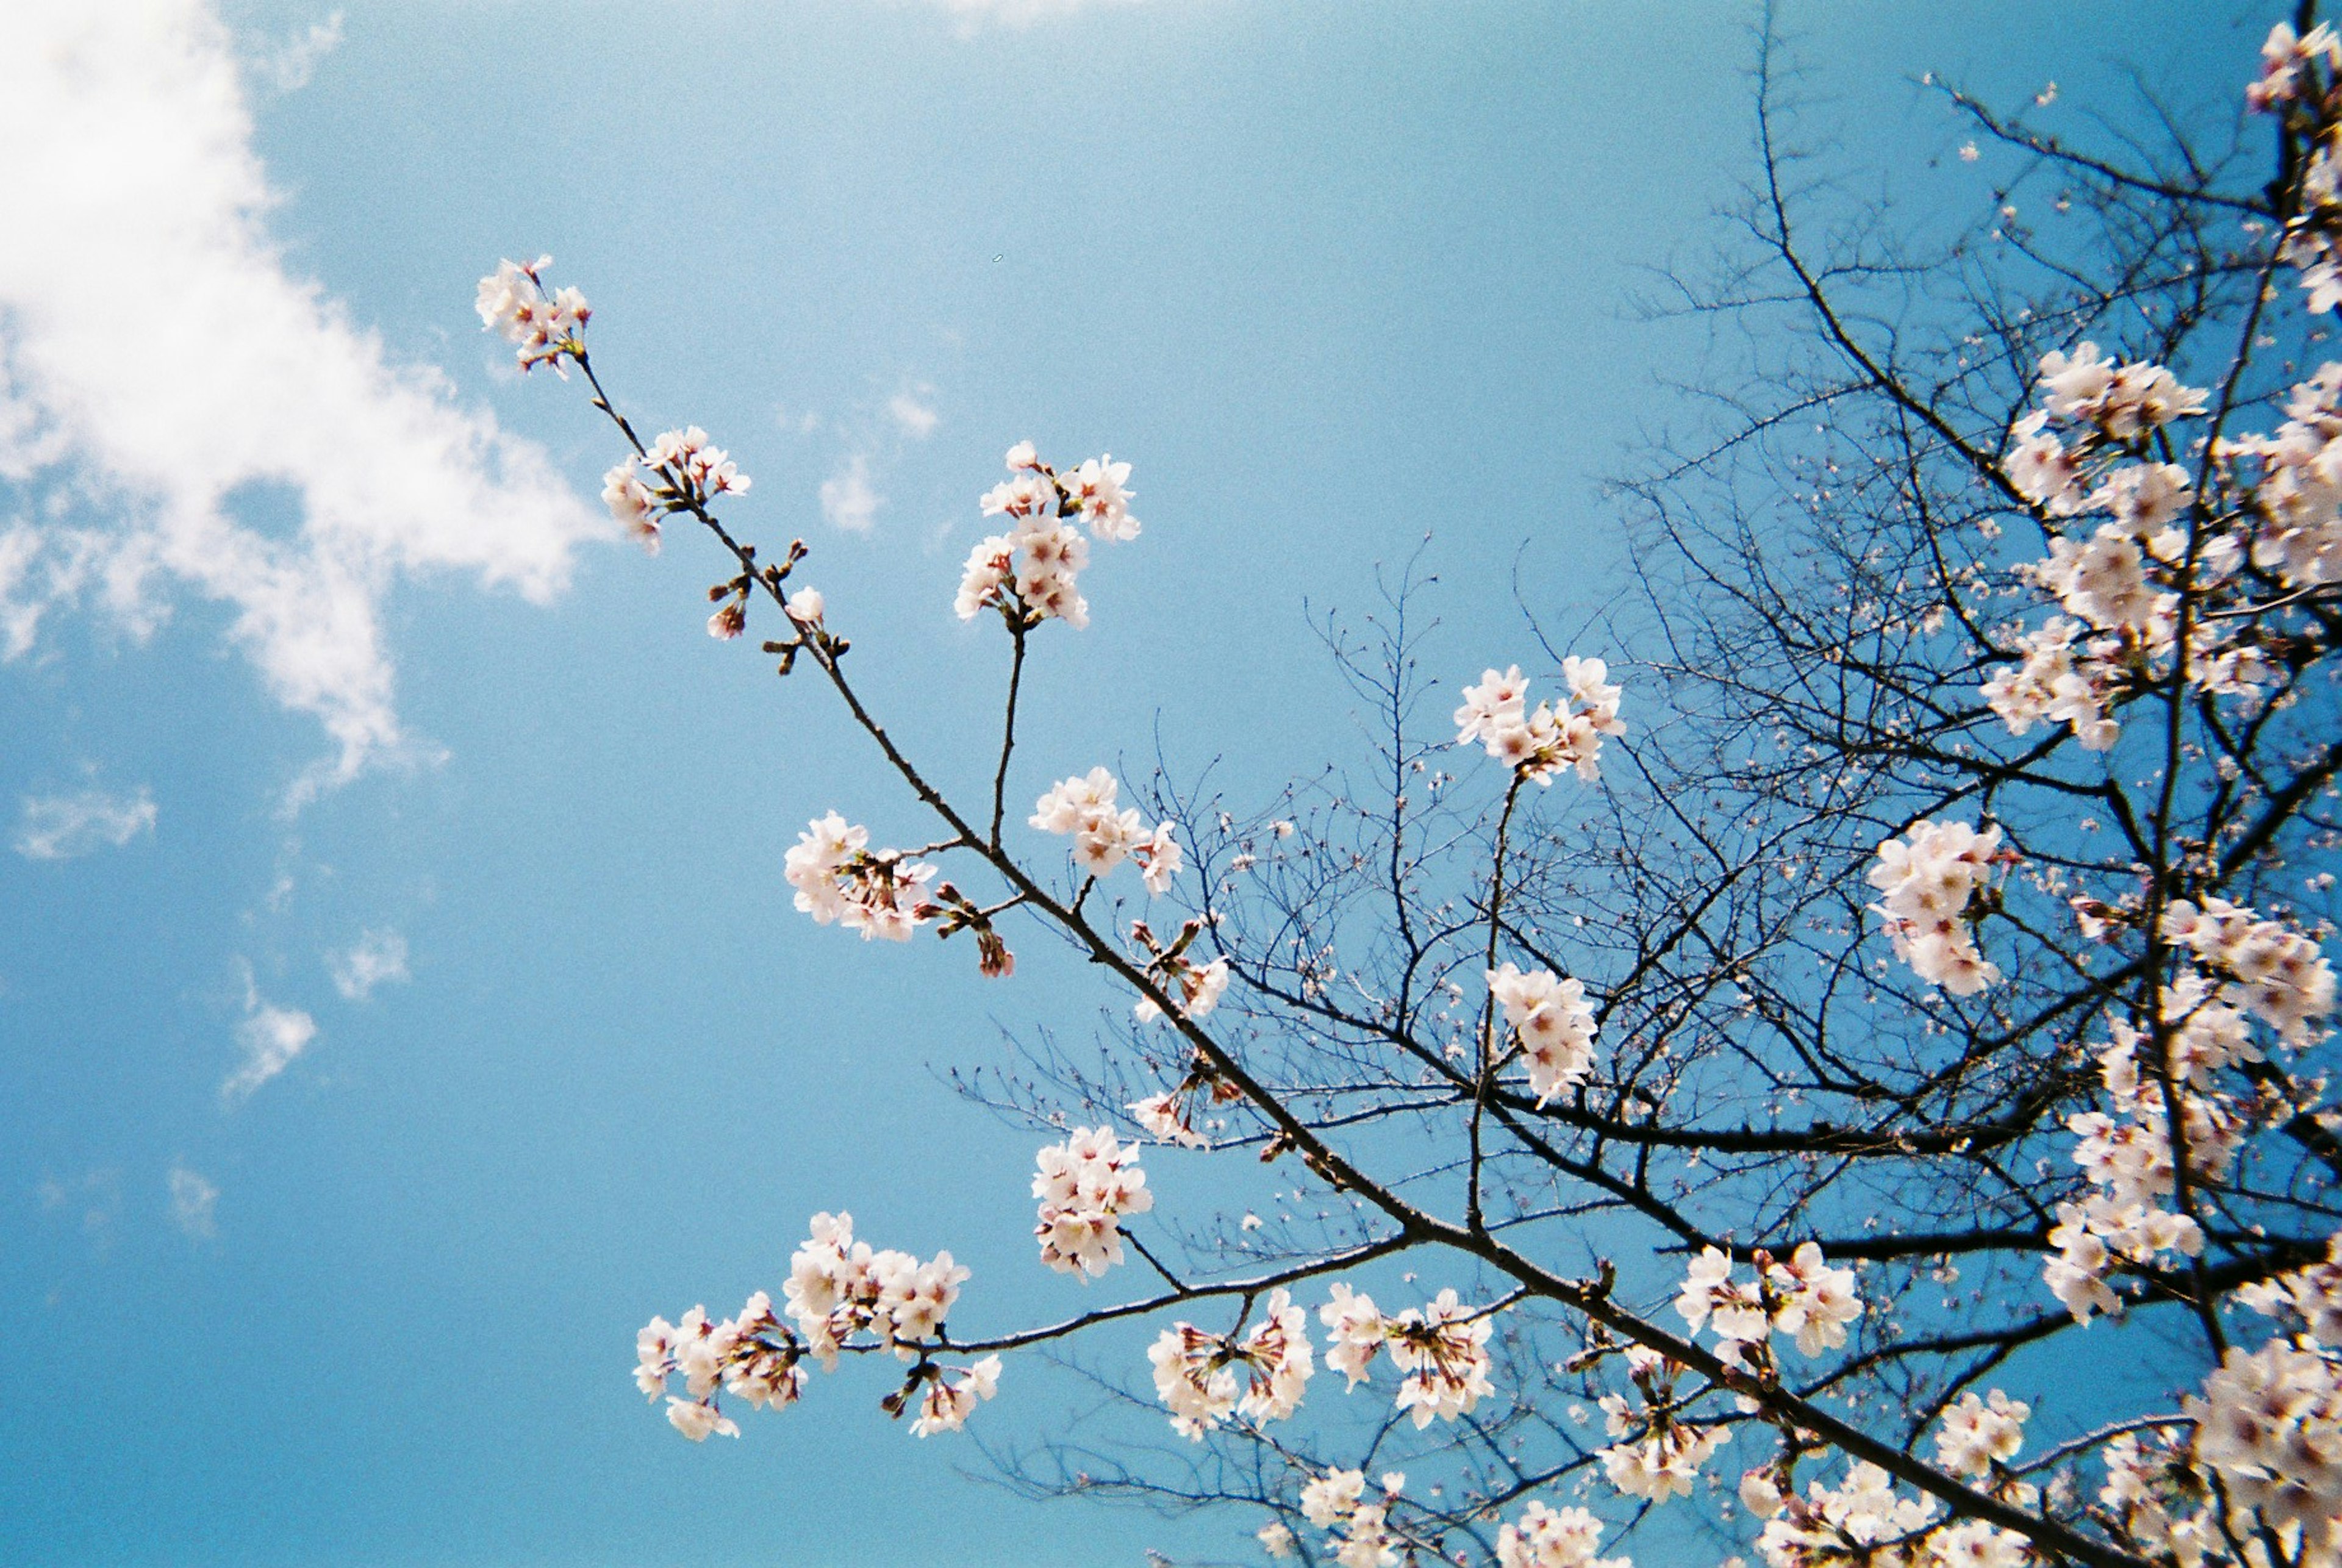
(1537, 745)
(2293, 88)
(839, 1287)
(1031, 574)
(1338, 1499)
(1204, 1378)
(1193, 988)
(511, 301)
(1657, 1456)
(1554, 1023)
(1802, 1297)
(1865, 1520)
(2277, 974)
(1547, 1537)
(1105, 836)
(840, 880)
(680, 469)
(2270, 1426)
(1977, 1434)
(2299, 496)
(2084, 454)
(1440, 1349)
(1928, 881)
(1086, 1185)
(751, 1356)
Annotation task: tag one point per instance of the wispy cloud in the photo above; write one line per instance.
(847, 499)
(270, 1037)
(289, 65)
(58, 827)
(140, 433)
(918, 420)
(376, 958)
(193, 1199)
(95, 1198)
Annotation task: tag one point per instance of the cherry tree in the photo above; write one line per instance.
(1782, 1038)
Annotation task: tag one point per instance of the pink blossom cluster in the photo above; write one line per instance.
(1105, 836)
(1547, 1537)
(1338, 1499)
(1031, 574)
(2126, 1151)
(1863, 1520)
(2313, 1294)
(1979, 1434)
(1802, 1297)
(2299, 496)
(511, 301)
(1927, 880)
(751, 1356)
(1086, 1185)
(840, 880)
(1537, 745)
(2293, 88)
(1657, 1456)
(1204, 1378)
(1440, 1349)
(2277, 974)
(681, 468)
(2270, 1426)
(1553, 1022)
(1193, 988)
(839, 1287)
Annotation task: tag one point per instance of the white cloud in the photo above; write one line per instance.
(846, 498)
(192, 1201)
(58, 827)
(376, 958)
(289, 66)
(918, 420)
(270, 1037)
(159, 365)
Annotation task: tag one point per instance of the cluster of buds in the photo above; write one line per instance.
(960, 912)
(1204, 1378)
(840, 880)
(1031, 574)
(1553, 1022)
(750, 1356)
(1104, 835)
(1659, 1454)
(511, 300)
(1195, 988)
(1538, 744)
(1441, 1349)
(1086, 1185)
(1802, 1297)
(1929, 881)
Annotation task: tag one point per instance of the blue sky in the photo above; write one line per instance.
(399, 1001)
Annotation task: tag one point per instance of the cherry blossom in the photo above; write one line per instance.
(1537, 745)
(1552, 1020)
(1928, 880)
(511, 301)
(1086, 1185)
